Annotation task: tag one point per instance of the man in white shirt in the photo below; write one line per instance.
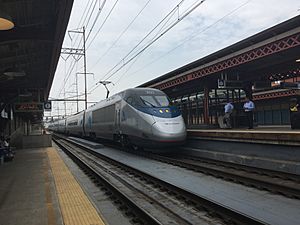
(248, 108)
(227, 117)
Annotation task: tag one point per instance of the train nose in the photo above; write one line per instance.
(169, 129)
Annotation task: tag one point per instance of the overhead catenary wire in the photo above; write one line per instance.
(94, 22)
(194, 34)
(155, 39)
(73, 63)
(147, 35)
(83, 22)
(83, 13)
(144, 38)
(114, 7)
(121, 34)
(124, 62)
(111, 10)
(96, 19)
(76, 60)
(88, 15)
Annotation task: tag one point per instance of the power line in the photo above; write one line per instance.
(89, 18)
(103, 23)
(88, 15)
(95, 20)
(147, 35)
(192, 8)
(155, 38)
(83, 22)
(194, 34)
(84, 13)
(73, 63)
(97, 16)
(122, 33)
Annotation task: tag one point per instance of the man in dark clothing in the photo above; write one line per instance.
(249, 107)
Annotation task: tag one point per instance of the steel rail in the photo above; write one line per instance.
(139, 215)
(218, 209)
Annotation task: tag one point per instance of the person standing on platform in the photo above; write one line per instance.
(227, 117)
(248, 108)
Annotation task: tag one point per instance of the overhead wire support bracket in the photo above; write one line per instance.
(72, 51)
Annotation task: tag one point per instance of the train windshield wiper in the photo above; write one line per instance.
(147, 102)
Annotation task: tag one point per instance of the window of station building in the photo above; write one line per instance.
(185, 98)
(178, 100)
(193, 97)
(200, 96)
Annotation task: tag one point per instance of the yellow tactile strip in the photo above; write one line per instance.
(74, 204)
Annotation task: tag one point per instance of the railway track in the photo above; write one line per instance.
(273, 181)
(147, 199)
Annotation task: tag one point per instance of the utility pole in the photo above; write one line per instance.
(84, 65)
(85, 88)
(77, 93)
(79, 52)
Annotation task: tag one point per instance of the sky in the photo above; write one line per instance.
(114, 31)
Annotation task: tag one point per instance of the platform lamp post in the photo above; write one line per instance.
(104, 83)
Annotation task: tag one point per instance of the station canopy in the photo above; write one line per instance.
(270, 55)
(30, 47)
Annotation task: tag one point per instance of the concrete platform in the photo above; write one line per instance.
(278, 135)
(265, 206)
(84, 142)
(27, 190)
(269, 147)
(37, 188)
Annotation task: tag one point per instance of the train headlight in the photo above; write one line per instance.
(167, 110)
(160, 111)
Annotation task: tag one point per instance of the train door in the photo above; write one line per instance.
(83, 124)
(117, 117)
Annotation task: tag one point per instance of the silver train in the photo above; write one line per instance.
(140, 117)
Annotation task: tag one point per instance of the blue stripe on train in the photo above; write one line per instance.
(163, 112)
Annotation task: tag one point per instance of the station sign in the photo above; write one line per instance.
(47, 106)
(290, 85)
(229, 84)
(29, 107)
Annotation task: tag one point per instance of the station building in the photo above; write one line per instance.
(265, 66)
(31, 37)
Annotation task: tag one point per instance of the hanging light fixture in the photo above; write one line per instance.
(6, 22)
(14, 72)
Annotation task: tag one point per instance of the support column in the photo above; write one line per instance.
(248, 90)
(206, 108)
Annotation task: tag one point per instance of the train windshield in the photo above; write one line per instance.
(155, 100)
